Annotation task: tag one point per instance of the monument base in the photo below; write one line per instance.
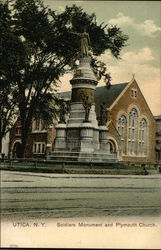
(64, 156)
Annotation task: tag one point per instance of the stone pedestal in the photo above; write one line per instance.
(72, 139)
(77, 115)
(60, 140)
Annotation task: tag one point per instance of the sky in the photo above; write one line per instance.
(141, 21)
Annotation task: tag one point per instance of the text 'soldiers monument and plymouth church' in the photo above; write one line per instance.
(81, 138)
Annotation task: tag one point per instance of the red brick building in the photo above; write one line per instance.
(39, 141)
(130, 122)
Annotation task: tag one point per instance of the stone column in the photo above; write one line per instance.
(103, 138)
(60, 140)
(86, 138)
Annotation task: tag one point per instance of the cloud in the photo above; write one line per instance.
(121, 20)
(62, 8)
(147, 28)
(143, 55)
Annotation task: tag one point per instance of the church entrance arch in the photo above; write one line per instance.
(16, 149)
(112, 147)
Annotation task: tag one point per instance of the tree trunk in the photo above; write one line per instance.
(26, 120)
(23, 146)
(25, 123)
(24, 135)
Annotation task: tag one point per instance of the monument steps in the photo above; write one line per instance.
(95, 165)
(81, 156)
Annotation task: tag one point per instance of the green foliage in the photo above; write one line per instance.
(48, 108)
(103, 37)
(38, 46)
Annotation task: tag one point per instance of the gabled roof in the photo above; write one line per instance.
(108, 94)
(65, 95)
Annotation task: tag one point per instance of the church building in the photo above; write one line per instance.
(131, 125)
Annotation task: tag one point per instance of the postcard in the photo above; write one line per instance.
(91, 178)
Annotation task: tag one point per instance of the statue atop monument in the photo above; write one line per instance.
(85, 42)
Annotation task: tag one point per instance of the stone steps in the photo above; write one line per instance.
(82, 156)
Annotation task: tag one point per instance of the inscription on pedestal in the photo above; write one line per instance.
(73, 134)
(78, 94)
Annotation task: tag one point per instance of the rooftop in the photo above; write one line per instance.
(108, 95)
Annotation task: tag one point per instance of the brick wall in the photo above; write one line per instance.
(115, 137)
(33, 138)
(123, 106)
(46, 137)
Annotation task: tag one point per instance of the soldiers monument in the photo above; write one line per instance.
(80, 138)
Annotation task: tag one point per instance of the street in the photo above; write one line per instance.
(39, 195)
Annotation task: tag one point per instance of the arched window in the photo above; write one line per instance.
(133, 131)
(122, 126)
(143, 137)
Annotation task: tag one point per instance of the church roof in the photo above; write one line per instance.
(65, 95)
(108, 95)
(102, 94)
